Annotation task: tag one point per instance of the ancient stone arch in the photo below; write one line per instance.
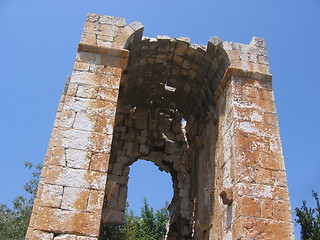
(205, 114)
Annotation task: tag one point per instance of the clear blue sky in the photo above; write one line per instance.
(38, 42)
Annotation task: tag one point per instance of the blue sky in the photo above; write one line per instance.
(38, 43)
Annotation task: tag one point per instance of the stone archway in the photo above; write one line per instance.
(149, 124)
(127, 98)
(156, 138)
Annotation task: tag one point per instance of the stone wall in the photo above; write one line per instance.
(204, 114)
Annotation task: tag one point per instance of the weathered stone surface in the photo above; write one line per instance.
(204, 114)
(35, 234)
(75, 199)
(57, 220)
(51, 195)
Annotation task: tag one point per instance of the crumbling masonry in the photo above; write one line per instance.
(204, 114)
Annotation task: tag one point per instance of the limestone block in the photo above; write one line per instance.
(34, 234)
(117, 168)
(255, 190)
(87, 141)
(267, 208)
(182, 46)
(99, 162)
(84, 121)
(250, 207)
(57, 220)
(76, 139)
(95, 201)
(264, 176)
(185, 214)
(271, 161)
(92, 17)
(86, 91)
(168, 157)
(142, 140)
(145, 133)
(261, 229)
(101, 29)
(56, 156)
(51, 195)
(184, 193)
(104, 124)
(75, 199)
(77, 158)
(108, 94)
(247, 157)
(106, 41)
(113, 201)
(88, 57)
(259, 104)
(170, 147)
(249, 114)
(111, 189)
(128, 121)
(116, 21)
(258, 42)
(246, 173)
(261, 191)
(100, 79)
(257, 129)
(79, 77)
(89, 38)
(122, 180)
(71, 91)
(213, 43)
(144, 149)
(113, 217)
(280, 178)
(65, 119)
(281, 210)
(123, 160)
(69, 177)
(126, 171)
(128, 35)
(184, 204)
(131, 149)
(141, 121)
(80, 66)
(121, 204)
(251, 82)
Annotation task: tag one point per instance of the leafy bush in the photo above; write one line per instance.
(309, 219)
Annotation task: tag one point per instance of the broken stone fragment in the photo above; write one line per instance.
(227, 196)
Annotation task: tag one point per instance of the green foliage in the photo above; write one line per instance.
(150, 226)
(14, 221)
(309, 219)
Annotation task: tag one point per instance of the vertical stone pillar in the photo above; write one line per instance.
(71, 191)
(251, 179)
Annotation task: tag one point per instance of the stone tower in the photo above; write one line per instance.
(204, 114)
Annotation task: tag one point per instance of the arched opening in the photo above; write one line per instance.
(149, 192)
(158, 136)
(146, 180)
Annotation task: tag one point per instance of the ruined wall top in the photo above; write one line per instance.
(112, 32)
(171, 72)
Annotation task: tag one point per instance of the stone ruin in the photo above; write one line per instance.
(204, 114)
